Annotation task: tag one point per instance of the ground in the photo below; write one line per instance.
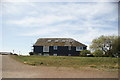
(14, 69)
(0, 66)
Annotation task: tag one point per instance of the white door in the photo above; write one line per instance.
(45, 48)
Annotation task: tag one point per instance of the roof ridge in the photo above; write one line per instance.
(56, 38)
(58, 42)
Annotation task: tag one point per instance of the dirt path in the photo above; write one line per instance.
(13, 69)
(0, 66)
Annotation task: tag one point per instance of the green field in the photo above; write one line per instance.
(101, 63)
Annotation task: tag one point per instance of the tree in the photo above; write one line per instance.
(98, 53)
(84, 53)
(103, 43)
(116, 47)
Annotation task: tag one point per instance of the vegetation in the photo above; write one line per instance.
(84, 53)
(31, 53)
(105, 63)
(98, 53)
(115, 47)
(108, 44)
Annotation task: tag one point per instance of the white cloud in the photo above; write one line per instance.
(40, 21)
(50, 14)
(40, 32)
(15, 0)
(60, 0)
(86, 16)
(81, 21)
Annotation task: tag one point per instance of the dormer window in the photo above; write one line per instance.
(63, 40)
(70, 41)
(55, 47)
(69, 47)
(49, 41)
(56, 40)
(78, 48)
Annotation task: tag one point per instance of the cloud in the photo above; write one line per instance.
(40, 32)
(46, 13)
(81, 21)
(40, 21)
(15, 0)
(60, 0)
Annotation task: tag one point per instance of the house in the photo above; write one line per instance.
(58, 47)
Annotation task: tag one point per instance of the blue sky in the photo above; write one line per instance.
(24, 22)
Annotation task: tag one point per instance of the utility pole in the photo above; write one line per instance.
(13, 51)
(32, 46)
(19, 52)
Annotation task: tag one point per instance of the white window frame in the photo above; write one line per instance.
(63, 40)
(56, 40)
(45, 48)
(69, 54)
(69, 47)
(54, 54)
(55, 47)
(79, 48)
(49, 41)
(46, 54)
(39, 53)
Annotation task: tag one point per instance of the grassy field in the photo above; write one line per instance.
(101, 63)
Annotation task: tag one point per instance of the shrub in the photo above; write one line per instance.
(98, 53)
(84, 53)
(31, 53)
(15, 54)
(11, 53)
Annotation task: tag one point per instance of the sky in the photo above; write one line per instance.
(25, 22)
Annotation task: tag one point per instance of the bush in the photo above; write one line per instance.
(98, 53)
(11, 53)
(84, 53)
(31, 53)
(15, 54)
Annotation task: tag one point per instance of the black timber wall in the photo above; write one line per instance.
(38, 49)
(61, 50)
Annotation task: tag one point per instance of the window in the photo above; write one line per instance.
(69, 47)
(54, 54)
(55, 47)
(70, 40)
(56, 40)
(69, 54)
(63, 40)
(45, 48)
(79, 48)
(45, 54)
(49, 40)
(39, 54)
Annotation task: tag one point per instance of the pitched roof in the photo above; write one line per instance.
(57, 42)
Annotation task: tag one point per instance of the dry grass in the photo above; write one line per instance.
(102, 63)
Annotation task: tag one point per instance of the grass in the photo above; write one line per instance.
(102, 63)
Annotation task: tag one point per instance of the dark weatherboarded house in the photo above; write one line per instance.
(58, 47)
